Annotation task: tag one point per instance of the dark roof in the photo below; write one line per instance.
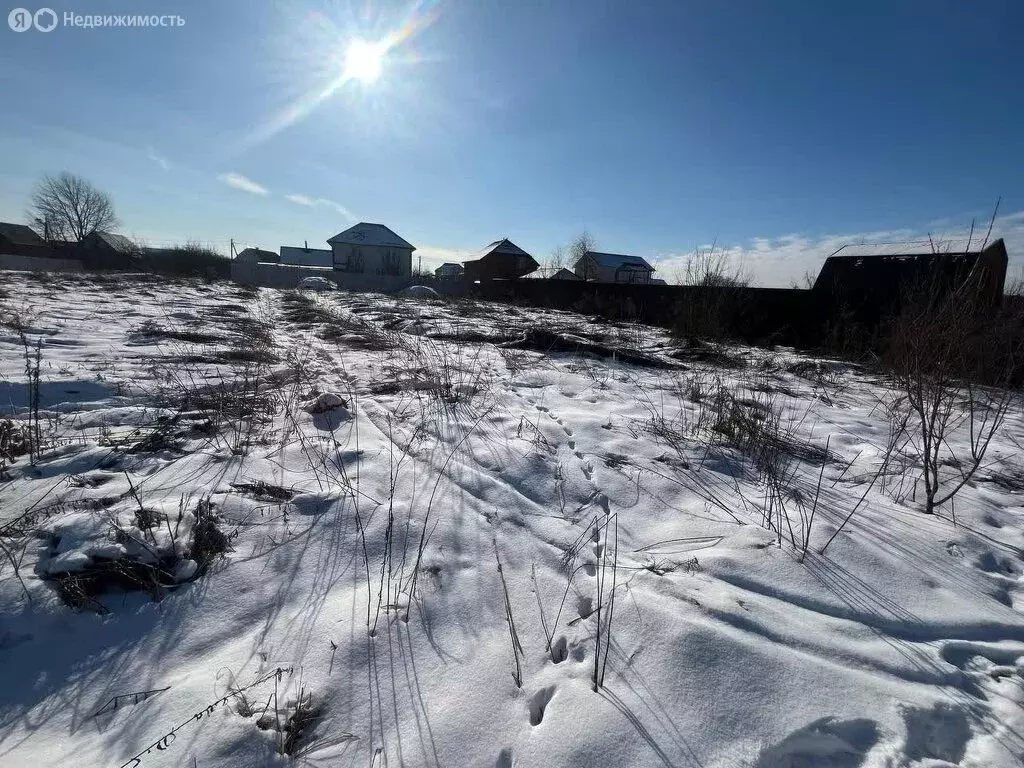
(565, 274)
(115, 242)
(450, 264)
(19, 234)
(503, 246)
(365, 233)
(617, 260)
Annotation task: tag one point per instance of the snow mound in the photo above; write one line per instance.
(315, 284)
(322, 403)
(420, 292)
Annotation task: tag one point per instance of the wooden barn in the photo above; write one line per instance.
(501, 260)
(870, 282)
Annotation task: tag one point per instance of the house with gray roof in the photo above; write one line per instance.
(372, 249)
(613, 268)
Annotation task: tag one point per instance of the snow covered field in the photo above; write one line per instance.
(524, 539)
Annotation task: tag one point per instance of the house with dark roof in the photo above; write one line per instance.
(372, 249)
(870, 281)
(500, 260)
(19, 240)
(106, 250)
(613, 268)
(449, 271)
(563, 274)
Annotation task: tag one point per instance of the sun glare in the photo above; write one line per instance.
(364, 61)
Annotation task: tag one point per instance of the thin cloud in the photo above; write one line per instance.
(432, 257)
(160, 160)
(311, 202)
(242, 183)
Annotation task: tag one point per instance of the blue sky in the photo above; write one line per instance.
(777, 129)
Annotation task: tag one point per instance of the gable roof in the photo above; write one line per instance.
(365, 233)
(450, 265)
(115, 242)
(19, 234)
(564, 274)
(617, 260)
(504, 247)
(909, 248)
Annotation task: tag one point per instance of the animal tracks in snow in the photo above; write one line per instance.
(539, 703)
(559, 650)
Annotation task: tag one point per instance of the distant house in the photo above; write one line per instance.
(449, 271)
(19, 240)
(564, 274)
(306, 257)
(871, 281)
(501, 260)
(613, 268)
(109, 242)
(657, 281)
(257, 256)
(107, 250)
(371, 249)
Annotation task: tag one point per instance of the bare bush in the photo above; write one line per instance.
(716, 281)
(952, 364)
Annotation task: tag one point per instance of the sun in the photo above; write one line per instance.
(364, 61)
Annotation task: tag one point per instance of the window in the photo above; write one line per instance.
(392, 262)
(355, 260)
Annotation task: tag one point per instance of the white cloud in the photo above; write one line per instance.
(240, 182)
(783, 261)
(160, 160)
(311, 202)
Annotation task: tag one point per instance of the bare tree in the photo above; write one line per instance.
(578, 248)
(555, 261)
(68, 207)
(567, 256)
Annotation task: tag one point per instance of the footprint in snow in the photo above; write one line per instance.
(559, 650)
(539, 704)
(504, 759)
(584, 606)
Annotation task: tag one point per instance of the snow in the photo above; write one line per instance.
(420, 292)
(902, 645)
(316, 284)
